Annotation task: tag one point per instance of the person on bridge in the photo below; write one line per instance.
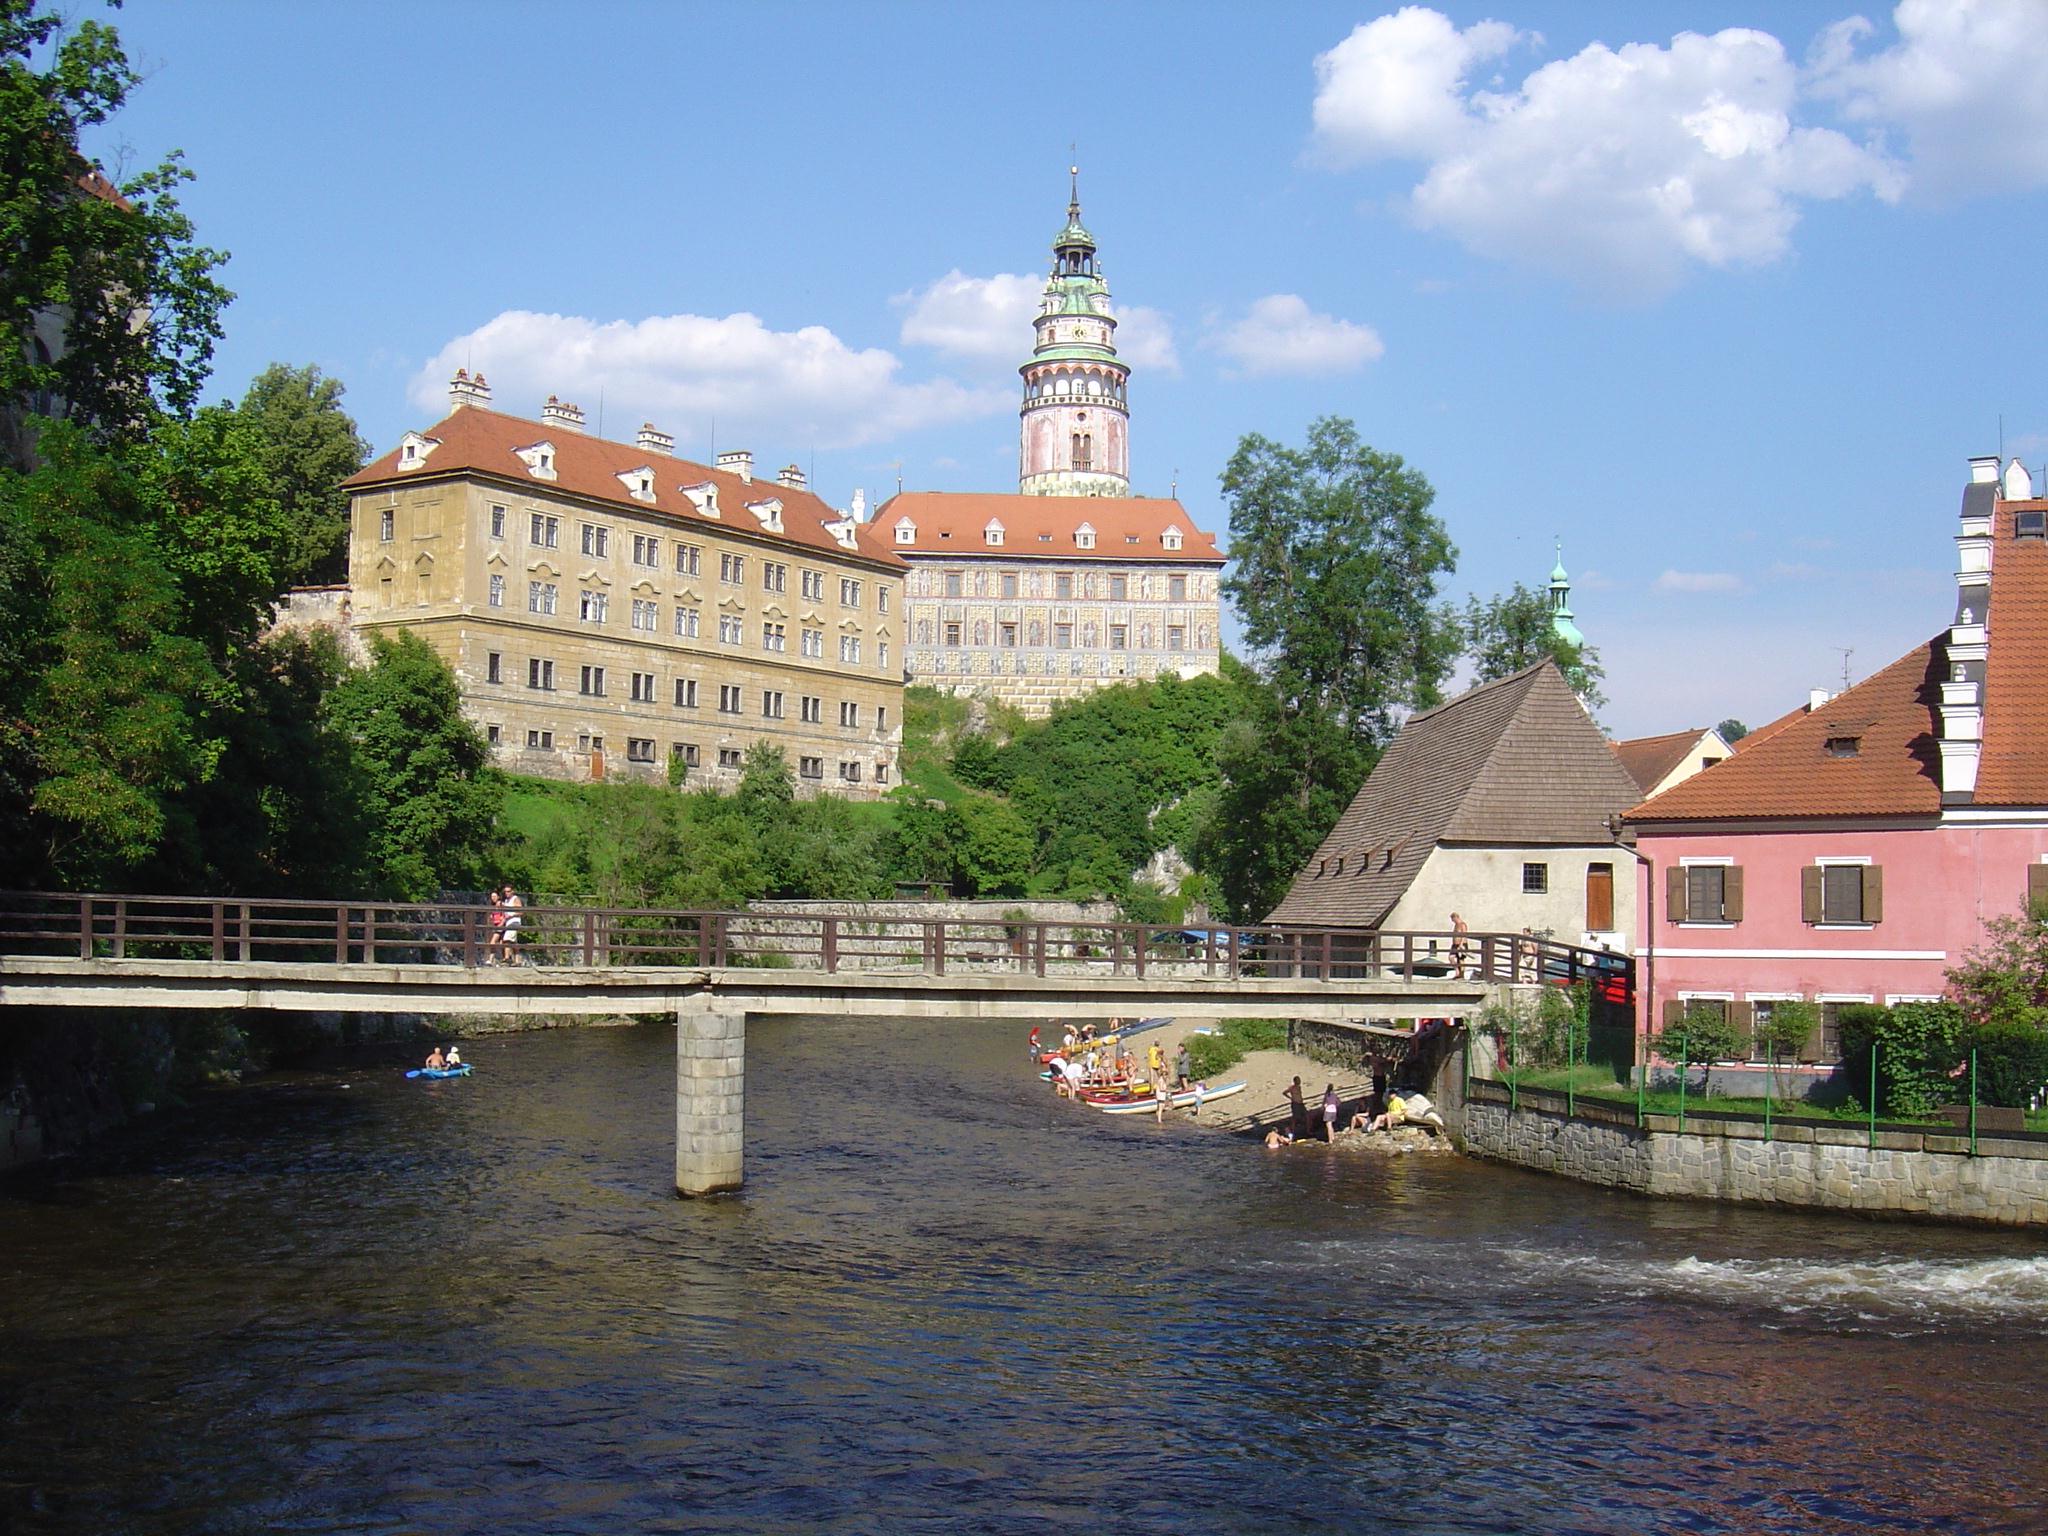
(513, 907)
(1461, 945)
(494, 954)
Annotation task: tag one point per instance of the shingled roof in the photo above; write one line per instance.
(2014, 766)
(1513, 762)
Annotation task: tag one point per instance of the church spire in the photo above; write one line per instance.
(1560, 602)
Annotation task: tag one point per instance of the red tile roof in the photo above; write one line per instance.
(1649, 759)
(1763, 733)
(954, 523)
(477, 440)
(2013, 769)
(1894, 772)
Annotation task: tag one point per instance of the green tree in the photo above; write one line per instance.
(992, 846)
(139, 303)
(1701, 1035)
(1732, 730)
(2004, 979)
(920, 846)
(767, 788)
(432, 799)
(1504, 634)
(1336, 558)
(307, 445)
(1286, 780)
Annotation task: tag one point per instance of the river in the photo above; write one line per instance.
(341, 1301)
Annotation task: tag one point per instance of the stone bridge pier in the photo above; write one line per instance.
(711, 1100)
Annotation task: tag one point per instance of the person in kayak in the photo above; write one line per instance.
(454, 1057)
(435, 1060)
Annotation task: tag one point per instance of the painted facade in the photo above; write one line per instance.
(1855, 852)
(609, 609)
(1072, 583)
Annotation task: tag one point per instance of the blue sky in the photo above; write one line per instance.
(1726, 310)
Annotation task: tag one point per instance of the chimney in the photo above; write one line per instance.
(790, 476)
(1815, 697)
(737, 461)
(2019, 485)
(1984, 469)
(651, 441)
(858, 510)
(558, 414)
(464, 390)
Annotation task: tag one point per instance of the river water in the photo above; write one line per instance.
(340, 1301)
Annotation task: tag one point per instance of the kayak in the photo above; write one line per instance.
(461, 1071)
(1178, 1101)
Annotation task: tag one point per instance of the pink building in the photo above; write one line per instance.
(1852, 851)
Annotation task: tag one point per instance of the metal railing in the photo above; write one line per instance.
(461, 932)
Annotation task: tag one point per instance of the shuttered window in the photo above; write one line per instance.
(1841, 893)
(1704, 893)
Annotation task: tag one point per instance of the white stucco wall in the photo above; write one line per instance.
(1484, 886)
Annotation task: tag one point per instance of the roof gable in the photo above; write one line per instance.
(1894, 770)
(1517, 760)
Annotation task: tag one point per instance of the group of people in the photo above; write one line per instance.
(439, 1060)
(507, 910)
(1382, 1111)
(1084, 1063)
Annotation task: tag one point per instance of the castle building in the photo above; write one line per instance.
(1072, 583)
(610, 610)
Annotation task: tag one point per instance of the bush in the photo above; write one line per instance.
(1211, 1055)
(1919, 1046)
(2012, 1062)
(1703, 1035)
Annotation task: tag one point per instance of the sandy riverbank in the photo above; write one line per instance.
(1266, 1075)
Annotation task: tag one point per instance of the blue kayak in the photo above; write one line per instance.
(461, 1071)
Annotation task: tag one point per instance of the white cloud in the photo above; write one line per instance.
(984, 318)
(802, 388)
(1966, 85)
(988, 320)
(1620, 168)
(1282, 335)
(1144, 339)
(1699, 581)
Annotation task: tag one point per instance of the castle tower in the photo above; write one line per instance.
(1561, 602)
(1074, 432)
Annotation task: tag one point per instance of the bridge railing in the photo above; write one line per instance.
(99, 925)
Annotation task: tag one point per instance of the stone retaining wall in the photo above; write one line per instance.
(1918, 1173)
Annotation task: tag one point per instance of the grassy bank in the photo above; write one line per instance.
(1212, 1055)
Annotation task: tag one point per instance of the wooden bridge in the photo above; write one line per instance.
(713, 969)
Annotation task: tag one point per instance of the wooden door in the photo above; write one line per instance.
(1599, 898)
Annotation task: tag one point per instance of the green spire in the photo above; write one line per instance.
(1560, 602)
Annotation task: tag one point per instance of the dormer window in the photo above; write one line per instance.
(993, 533)
(702, 498)
(768, 513)
(1171, 538)
(1843, 746)
(906, 532)
(413, 450)
(539, 460)
(639, 483)
(1084, 536)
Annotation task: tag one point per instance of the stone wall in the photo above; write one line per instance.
(1917, 1173)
